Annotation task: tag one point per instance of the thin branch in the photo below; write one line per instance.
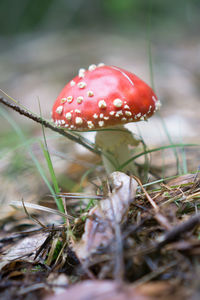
(155, 273)
(81, 141)
(184, 227)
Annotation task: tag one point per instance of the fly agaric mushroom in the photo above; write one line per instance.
(106, 97)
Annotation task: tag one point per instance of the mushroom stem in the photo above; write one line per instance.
(115, 144)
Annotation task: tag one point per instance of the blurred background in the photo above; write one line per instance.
(44, 43)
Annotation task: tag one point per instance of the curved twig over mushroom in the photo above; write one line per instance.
(106, 97)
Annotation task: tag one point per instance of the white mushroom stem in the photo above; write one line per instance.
(116, 147)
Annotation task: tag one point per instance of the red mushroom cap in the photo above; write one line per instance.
(103, 96)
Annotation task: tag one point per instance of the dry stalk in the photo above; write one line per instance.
(158, 216)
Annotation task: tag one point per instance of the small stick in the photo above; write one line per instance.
(153, 204)
(159, 217)
(181, 228)
(146, 278)
(45, 123)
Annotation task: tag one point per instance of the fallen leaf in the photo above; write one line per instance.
(25, 248)
(102, 218)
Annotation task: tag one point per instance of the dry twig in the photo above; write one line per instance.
(183, 227)
(158, 216)
(75, 138)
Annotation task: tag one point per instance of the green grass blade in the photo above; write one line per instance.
(154, 150)
(53, 178)
(149, 50)
(184, 161)
(47, 156)
(42, 173)
(179, 170)
(149, 53)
